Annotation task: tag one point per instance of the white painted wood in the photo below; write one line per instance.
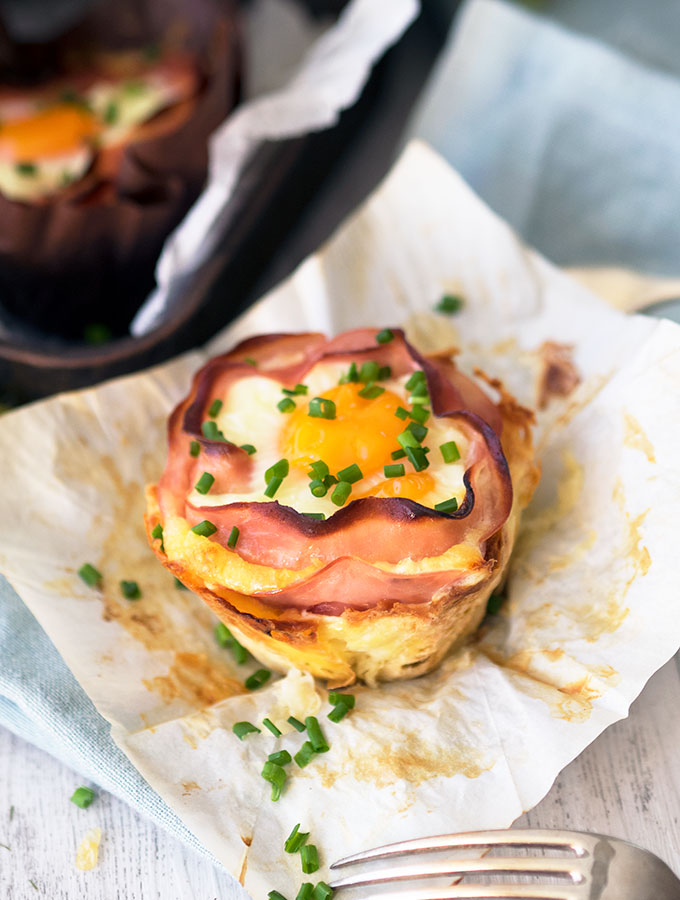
(627, 784)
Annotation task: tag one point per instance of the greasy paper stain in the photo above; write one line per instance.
(192, 677)
(188, 787)
(635, 438)
(558, 375)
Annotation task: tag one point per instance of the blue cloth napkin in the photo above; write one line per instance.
(572, 141)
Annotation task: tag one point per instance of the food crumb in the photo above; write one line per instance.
(88, 850)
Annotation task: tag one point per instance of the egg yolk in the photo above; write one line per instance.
(49, 132)
(412, 486)
(363, 431)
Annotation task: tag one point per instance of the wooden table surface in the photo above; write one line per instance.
(627, 783)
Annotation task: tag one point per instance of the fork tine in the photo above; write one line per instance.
(561, 840)
(483, 892)
(494, 865)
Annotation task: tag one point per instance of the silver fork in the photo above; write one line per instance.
(599, 868)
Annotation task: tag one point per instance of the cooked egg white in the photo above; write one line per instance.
(364, 432)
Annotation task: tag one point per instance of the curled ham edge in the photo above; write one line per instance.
(367, 530)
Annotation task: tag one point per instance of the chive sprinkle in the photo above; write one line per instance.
(204, 483)
(214, 409)
(280, 757)
(384, 336)
(286, 405)
(226, 639)
(322, 891)
(257, 679)
(269, 725)
(316, 737)
(279, 470)
(352, 474)
(299, 389)
(398, 454)
(222, 634)
(130, 590)
(250, 361)
(416, 379)
(450, 451)
(449, 303)
(233, 537)
(420, 414)
(493, 607)
(204, 528)
(418, 431)
(276, 776)
(369, 371)
(305, 892)
(384, 373)
(272, 486)
(93, 576)
(322, 408)
(296, 723)
(26, 168)
(248, 448)
(319, 468)
(447, 506)
(157, 534)
(82, 797)
(111, 113)
(304, 755)
(371, 391)
(338, 712)
(309, 857)
(180, 586)
(320, 516)
(194, 448)
(275, 895)
(295, 839)
(417, 458)
(352, 375)
(401, 413)
(318, 488)
(210, 431)
(330, 480)
(337, 697)
(241, 729)
(408, 439)
(395, 471)
(341, 492)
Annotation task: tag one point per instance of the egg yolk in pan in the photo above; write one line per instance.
(48, 132)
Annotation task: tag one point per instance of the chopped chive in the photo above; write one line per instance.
(214, 409)
(111, 113)
(309, 858)
(204, 483)
(351, 376)
(318, 488)
(272, 486)
(304, 755)
(233, 537)
(401, 413)
(296, 723)
(395, 471)
(338, 712)
(82, 797)
(194, 449)
(322, 891)
(305, 892)
(222, 634)
(384, 336)
(226, 639)
(320, 468)
(449, 303)
(330, 480)
(398, 454)
(248, 448)
(447, 506)
(295, 840)
(241, 729)
(26, 168)
(408, 439)
(286, 405)
(371, 391)
(271, 727)
(450, 451)
(420, 414)
(257, 679)
(279, 470)
(210, 431)
(298, 389)
(417, 458)
(130, 590)
(420, 390)
(369, 371)
(321, 408)
(493, 607)
(418, 431)
(275, 895)
(341, 492)
(384, 373)
(337, 697)
(318, 741)
(352, 474)
(249, 360)
(157, 534)
(280, 757)
(241, 655)
(180, 586)
(320, 516)
(204, 528)
(93, 576)
(415, 379)
(276, 776)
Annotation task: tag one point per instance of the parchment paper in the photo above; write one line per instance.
(592, 608)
